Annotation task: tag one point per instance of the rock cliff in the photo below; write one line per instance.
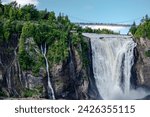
(142, 63)
(71, 78)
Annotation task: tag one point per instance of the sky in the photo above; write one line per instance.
(100, 11)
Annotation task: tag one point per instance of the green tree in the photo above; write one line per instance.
(44, 33)
(12, 13)
(1, 9)
(18, 27)
(43, 14)
(143, 30)
(139, 32)
(26, 61)
(29, 12)
(7, 30)
(51, 17)
(27, 30)
(19, 14)
(6, 35)
(146, 17)
(133, 28)
(28, 17)
(6, 11)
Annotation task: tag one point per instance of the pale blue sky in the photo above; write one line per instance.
(106, 11)
(103, 11)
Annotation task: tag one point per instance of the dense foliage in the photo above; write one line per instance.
(143, 29)
(39, 30)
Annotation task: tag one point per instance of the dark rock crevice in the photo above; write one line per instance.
(92, 89)
(133, 79)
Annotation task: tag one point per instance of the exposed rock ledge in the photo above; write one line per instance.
(142, 65)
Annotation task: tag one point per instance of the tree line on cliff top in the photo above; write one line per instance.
(143, 29)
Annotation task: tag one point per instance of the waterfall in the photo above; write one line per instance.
(49, 87)
(112, 62)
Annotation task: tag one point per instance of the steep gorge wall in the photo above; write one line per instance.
(70, 78)
(142, 65)
(9, 67)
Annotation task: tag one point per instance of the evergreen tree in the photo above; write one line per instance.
(133, 28)
(146, 17)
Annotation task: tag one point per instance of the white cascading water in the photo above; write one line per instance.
(49, 87)
(112, 62)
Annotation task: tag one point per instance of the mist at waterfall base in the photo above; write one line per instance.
(113, 59)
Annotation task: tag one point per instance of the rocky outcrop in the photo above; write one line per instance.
(13, 80)
(142, 65)
(9, 67)
(93, 91)
(71, 79)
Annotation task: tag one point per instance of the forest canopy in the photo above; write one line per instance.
(143, 29)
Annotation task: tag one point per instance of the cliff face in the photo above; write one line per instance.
(142, 65)
(74, 80)
(71, 79)
(9, 68)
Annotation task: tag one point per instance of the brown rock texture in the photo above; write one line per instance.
(142, 64)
